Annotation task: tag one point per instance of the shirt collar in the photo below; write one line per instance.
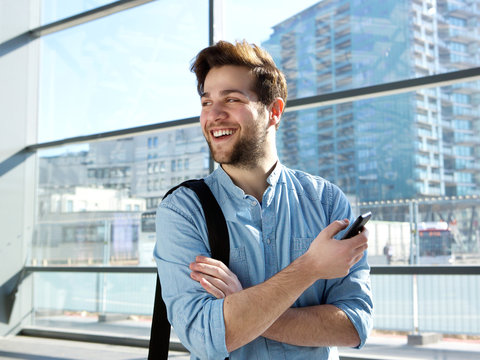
(234, 191)
(275, 174)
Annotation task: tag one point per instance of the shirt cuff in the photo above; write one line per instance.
(218, 327)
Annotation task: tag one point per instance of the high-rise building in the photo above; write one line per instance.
(423, 143)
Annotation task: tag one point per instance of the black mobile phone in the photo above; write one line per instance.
(357, 225)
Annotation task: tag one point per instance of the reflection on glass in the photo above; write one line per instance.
(96, 201)
(386, 153)
(417, 144)
(124, 70)
(327, 46)
(54, 10)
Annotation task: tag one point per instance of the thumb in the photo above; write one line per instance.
(335, 227)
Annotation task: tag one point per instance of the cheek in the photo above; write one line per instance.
(203, 124)
(203, 119)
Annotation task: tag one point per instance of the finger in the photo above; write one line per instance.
(208, 269)
(215, 268)
(219, 284)
(198, 276)
(364, 232)
(359, 240)
(357, 259)
(335, 227)
(207, 260)
(211, 289)
(211, 261)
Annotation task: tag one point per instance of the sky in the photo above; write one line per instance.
(132, 68)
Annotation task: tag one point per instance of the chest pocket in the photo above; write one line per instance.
(239, 265)
(300, 246)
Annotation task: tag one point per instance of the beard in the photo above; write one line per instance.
(247, 151)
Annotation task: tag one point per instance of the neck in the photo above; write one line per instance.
(253, 181)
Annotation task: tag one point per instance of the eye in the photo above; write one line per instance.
(231, 100)
(206, 103)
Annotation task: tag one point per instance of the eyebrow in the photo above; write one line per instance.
(226, 92)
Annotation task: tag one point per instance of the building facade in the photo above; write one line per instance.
(93, 198)
(417, 144)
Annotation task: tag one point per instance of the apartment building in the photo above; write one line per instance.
(415, 144)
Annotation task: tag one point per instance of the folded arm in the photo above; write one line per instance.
(196, 315)
(263, 309)
(319, 325)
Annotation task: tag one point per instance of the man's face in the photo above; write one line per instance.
(233, 121)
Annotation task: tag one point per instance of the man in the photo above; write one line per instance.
(291, 290)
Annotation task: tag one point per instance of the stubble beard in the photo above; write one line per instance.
(247, 152)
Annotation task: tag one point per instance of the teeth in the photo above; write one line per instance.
(218, 133)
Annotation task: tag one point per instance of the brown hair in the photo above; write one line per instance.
(270, 81)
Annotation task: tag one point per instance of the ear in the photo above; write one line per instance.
(276, 110)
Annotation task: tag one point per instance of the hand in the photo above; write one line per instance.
(214, 276)
(333, 258)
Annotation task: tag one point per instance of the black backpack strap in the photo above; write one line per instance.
(160, 330)
(219, 246)
(216, 223)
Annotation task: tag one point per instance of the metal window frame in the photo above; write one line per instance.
(113, 134)
(374, 270)
(86, 16)
(385, 89)
(367, 92)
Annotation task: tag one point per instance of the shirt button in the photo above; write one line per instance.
(253, 203)
(268, 241)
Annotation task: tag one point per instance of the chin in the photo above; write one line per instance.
(221, 158)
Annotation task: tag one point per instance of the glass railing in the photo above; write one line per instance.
(119, 300)
(115, 300)
(426, 299)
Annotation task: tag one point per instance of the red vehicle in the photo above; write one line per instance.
(436, 241)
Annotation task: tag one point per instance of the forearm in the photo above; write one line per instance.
(250, 312)
(320, 325)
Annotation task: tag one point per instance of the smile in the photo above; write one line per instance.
(223, 132)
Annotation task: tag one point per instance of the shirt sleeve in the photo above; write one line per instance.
(196, 316)
(352, 294)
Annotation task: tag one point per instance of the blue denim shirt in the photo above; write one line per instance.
(264, 238)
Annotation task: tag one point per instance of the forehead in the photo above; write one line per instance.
(229, 77)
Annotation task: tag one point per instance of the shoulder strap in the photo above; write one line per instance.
(160, 330)
(219, 246)
(216, 224)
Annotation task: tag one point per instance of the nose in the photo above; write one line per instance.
(215, 112)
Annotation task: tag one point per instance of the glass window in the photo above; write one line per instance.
(128, 69)
(392, 147)
(325, 46)
(54, 10)
(455, 21)
(104, 208)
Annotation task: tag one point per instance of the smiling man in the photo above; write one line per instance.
(291, 291)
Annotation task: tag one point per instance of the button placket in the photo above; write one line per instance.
(268, 229)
